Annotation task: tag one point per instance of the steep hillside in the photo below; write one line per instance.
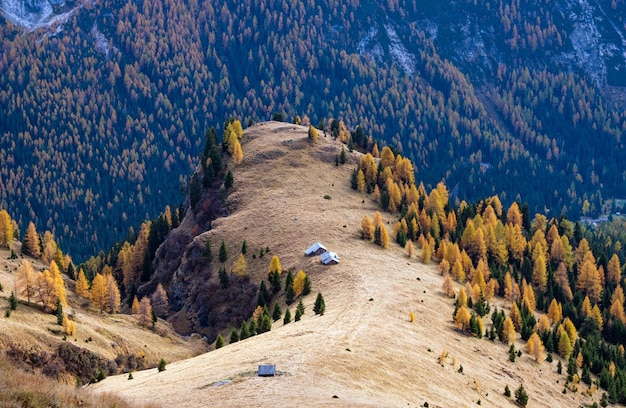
(363, 351)
(111, 343)
(105, 107)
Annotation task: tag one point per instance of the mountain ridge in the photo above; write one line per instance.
(364, 350)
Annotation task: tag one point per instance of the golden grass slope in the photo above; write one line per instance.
(28, 328)
(363, 351)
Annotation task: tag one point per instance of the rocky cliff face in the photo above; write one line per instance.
(198, 302)
(32, 14)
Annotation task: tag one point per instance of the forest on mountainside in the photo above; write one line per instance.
(104, 113)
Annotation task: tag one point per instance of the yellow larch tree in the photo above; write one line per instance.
(540, 273)
(555, 311)
(448, 286)
(514, 215)
(564, 345)
(369, 167)
(6, 229)
(275, 266)
(409, 249)
(580, 253)
(618, 294)
(508, 331)
(69, 327)
(569, 327)
(160, 302)
(516, 316)
(462, 318)
(535, 347)
(529, 301)
(145, 312)
(134, 309)
(585, 308)
(49, 247)
(596, 315)
(387, 158)
(589, 281)
(27, 281)
(444, 267)
(240, 266)
(237, 152)
(543, 324)
(614, 272)
(298, 282)
(98, 292)
(367, 228)
(384, 237)
(617, 310)
(563, 281)
(458, 272)
(31, 245)
(113, 300)
(82, 286)
(461, 298)
(360, 181)
(312, 134)
(427, 253)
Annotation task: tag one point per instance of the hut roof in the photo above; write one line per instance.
(314, 249)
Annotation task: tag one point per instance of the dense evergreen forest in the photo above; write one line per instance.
(104, 113)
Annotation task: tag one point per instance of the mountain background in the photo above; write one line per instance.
(105, 103)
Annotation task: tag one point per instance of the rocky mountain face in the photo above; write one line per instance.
(199, 303)
(32, 14)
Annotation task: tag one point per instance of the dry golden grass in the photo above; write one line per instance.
(25, 390)
(364, 350)
(31, 330)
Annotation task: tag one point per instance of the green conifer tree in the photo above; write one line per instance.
(320, 305)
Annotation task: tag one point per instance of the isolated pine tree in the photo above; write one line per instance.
(234, 336)
(244, 332)
(277, 313)
(13, 301)
(320, 305)
(208, 252)
(521, 397)
(290, 295)
(219, 342)
(287, 318)
(161, 365)
(223, 256)
(224, 278)
(229, 180)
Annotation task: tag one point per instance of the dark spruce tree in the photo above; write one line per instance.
(320, 306)
(287, 318)
(224, 278)
(277, 313)
(234, 336)
(223, 256)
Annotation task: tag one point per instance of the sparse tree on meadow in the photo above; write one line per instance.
(367, 228)
(298, 283)
(320, 306)
(240, 267)
(508, 331)
(113, 300)
(31, 244)
(462, 318)
(82, 286)
(313, 135)
(6, 229)
(287, 318)
(145, 312)
(98, 292)
(275, 266)
(160, 302)
(27, 281)
(535, 347)
(223, 256)
(135, 308)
